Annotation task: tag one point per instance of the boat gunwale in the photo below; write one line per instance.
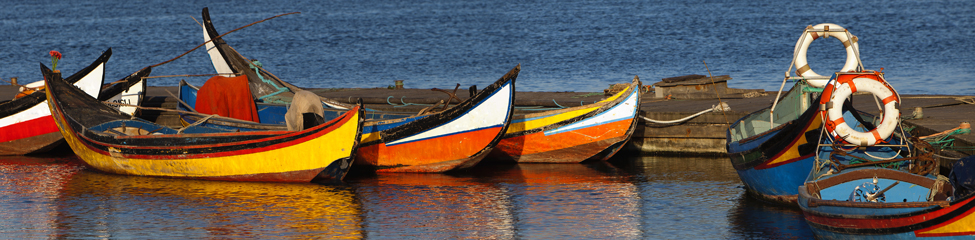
(602, 107)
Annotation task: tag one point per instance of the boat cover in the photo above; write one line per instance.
(303, 104)
(962, 177)
(227, 97)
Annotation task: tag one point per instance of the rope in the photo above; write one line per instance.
(587, 95)
(404, 104)
(170, 110)
(198, 122)
(256, 66)
(720, 107)
(557, 104)
(715, 88)
(929, 163)
(221, 35)
(184, 75)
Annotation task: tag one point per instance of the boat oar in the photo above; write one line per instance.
(881, 192)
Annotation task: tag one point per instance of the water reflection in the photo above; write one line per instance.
(633, 197)
(29, 190)
(702, 197)
(433, 206)
(560, 201)
(753, 219)
(103, 205)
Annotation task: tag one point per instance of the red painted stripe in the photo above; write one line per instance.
(859, 223)
(967, 214)
(876, 135)
(29, 128)
(892, 98)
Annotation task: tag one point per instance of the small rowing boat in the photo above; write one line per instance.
(572, 135)
(114, 142)
(26, 125)
(888, 194)
(456, 138)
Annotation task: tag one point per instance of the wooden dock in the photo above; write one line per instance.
(704, 135)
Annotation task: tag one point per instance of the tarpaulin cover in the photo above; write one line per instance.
(227, 97)
(962, 177)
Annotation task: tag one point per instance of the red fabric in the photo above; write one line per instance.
(227, 97)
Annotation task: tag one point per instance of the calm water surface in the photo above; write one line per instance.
(631, 198)
(925, 47)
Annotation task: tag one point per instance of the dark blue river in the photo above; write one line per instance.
(925, 47)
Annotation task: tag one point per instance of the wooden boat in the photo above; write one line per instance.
(111, 141)
(773, 149)
(896, 194)
(572, 135)
(917, 207)
(456, 138)
(842, 196)
(126, 91)
(26, 125)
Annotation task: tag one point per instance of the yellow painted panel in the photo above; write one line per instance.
(964, 225)
(315, 153)
(617, 95)
(793, 151)
(541, 122)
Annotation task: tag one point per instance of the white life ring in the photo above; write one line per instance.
(825, 30)
(838, 91)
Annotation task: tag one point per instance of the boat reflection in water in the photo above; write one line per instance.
(631, 197)
(29, 187)
(703, 198)
(754, 219)
(501, 202)
(102, 205)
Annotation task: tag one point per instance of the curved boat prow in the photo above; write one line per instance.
(130, 91)
(111, 141)
(455, 139)
(228, 62)
(26, 125)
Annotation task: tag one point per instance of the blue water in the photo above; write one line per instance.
(925, 47)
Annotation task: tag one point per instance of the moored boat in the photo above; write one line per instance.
(114, 142)
(911, 206)
(572, 135)
(26, 125)
(773, 149)
(893, 195)
(456, 138)
(874, 181)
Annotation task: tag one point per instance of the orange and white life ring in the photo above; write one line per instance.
(836, 92)
(825, 30)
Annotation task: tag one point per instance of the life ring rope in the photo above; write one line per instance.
(825, 30)
(842, 87)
